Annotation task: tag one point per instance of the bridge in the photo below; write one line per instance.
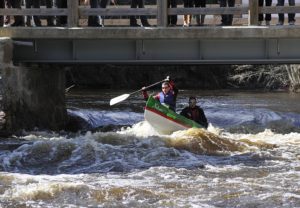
(245, 44)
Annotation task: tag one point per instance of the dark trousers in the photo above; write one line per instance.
(19, 20)
(188, 3)
(200, 3)
(261, 16)
(191, 3)
(172, 19)
(227, 18)
(136, 4)
(291, 15)
(61, 20)
(37, 4)
(2, 6)
(94, 20)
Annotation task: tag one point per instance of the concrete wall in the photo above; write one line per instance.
(5, 52)
(32, 96)
(5, 61)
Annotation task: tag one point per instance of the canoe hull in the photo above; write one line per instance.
(161, 124)
(164, 120)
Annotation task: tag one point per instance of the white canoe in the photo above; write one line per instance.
(164, 120)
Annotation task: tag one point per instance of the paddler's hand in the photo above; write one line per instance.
(145, 94)
(167, 79)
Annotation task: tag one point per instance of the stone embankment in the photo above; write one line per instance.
(31, 96)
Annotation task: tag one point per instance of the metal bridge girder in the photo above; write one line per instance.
(183, 51)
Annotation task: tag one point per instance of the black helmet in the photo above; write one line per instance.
(192, 98)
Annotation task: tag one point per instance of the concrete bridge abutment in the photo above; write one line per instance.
(32, 97)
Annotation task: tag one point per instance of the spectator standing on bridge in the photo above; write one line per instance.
(28, 5)
(7, 18)
(227, 18)
(2, 6)
(195, 113)
(267, 16)
(133, 20)
(291, 16)
(200, 18)
(187, 18)
(94, 21)
(172, 19)
(36, 4)
(61, 21)
(19, 20)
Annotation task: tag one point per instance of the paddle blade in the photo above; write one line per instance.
(119, 99)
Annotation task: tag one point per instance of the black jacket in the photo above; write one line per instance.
(196, 114)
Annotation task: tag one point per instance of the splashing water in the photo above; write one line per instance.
(200, 141)
(137, 167)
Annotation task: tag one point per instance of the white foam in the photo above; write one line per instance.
(141, 129)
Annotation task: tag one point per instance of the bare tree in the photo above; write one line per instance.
(267, 76)
(294, 77)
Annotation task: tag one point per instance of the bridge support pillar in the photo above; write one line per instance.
(32, 96)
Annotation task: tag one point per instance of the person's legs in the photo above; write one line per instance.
(185, 17)
(223, 3)
(268, 16)
(2, 6)
(103, 4)
(50, 19)
(260, 15)
(202, 4)
(197, 4)
(61, 20)
(231, 3)
(291, 15)
(36, 19)
(19, 20)
(28, 4)
(280, 15)
(144, 19)
(93, 21)
(173, 17)
(189, 17)
(169, 5)
(7, 18)
(133, 20)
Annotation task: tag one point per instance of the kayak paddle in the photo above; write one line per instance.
(125, 96)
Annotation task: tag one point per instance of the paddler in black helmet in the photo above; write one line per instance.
(167, 96)
(194, 112)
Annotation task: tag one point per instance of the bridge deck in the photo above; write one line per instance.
(228, 32)
(193, 45)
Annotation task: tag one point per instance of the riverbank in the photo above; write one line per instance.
(201, 77)
(135, 77)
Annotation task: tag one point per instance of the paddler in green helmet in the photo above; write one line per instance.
(167, 96)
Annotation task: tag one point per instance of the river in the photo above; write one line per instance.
(249, 157)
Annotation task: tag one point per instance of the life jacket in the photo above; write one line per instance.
(168, 99)
(193, 114)
(196, 114)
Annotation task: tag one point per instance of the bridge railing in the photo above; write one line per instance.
(74, 12)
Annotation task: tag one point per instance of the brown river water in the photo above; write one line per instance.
(248, 157)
